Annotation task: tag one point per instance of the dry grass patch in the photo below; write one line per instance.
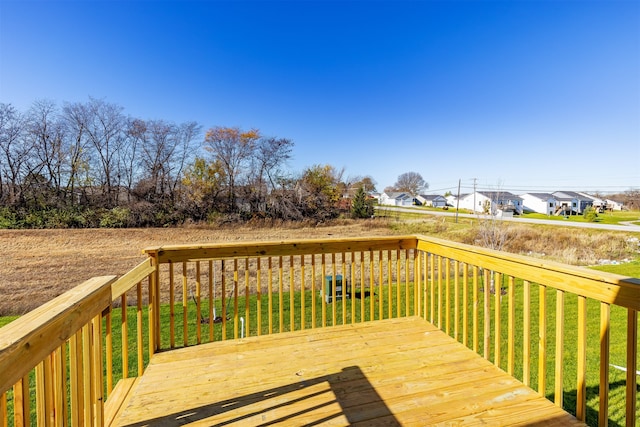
(38, 265)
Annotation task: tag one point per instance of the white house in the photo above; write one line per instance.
(492, 202)
(544, 203)
(396, 199)
(573, 202)
(433, 200)
(614, 205)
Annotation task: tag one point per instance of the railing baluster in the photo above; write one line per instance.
(292, 297)
(456, 299)
(362, 285)
(352, 271)
(465, 304)
(581, 404)
(139, 328)
(542, 340)
(632, 363)
(380, 291)
(236, 285)
(223, 295)
(345, 277)
(323, 285)
(407, 310)
(334, 312)
(22, 402)
(109, 350)
(390, 284)
(96, 362)
(303, 301)
(270, 295)
(4, 416)
(447, 294)
(511, 341)
(259, 295)
(497, 297)
(280, 295)
(605, 337)
(526, 333)
(185, 307)
(124, 333)
(487, 314)
(41, 411)
(198, 304)
(559, 348)
(313, 291)
(172, 308)
(476, 314)
(439, 268)
(247, 319)
(212, 302)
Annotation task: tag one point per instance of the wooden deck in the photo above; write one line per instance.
(391, 372)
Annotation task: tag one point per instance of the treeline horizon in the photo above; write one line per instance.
(88, 164)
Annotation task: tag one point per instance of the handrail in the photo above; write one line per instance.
(601, 286)
(29, 339)
(180, 253)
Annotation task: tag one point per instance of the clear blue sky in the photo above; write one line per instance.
(521, 95)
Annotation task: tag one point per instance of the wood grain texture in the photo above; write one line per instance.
(391, 372)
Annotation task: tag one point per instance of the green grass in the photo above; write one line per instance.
(615, 217)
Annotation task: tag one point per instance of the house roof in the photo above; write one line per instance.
(570, 195)
(397, 195)
(541, 196)
(493, 195)
(431, 196)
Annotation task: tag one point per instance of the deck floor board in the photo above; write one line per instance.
(391, 372)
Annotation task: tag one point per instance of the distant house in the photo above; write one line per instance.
(614, 205)
(572, 202)
(396, 199)
(501, 203)
(544, 203)
(432, 200)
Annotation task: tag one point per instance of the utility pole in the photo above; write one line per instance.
(458, 200)
(474, 194)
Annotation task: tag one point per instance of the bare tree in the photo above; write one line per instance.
(270, 155)
(410, 182)
(47, 134)
(104, 126)
(233, 148)
(14, 152)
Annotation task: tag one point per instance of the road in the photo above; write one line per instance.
(611, 227)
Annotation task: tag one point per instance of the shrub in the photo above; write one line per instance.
(117, 217)
(590, 214)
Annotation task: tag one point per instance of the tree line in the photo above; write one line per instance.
(88, 164)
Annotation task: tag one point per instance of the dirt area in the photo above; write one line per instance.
(38, 265)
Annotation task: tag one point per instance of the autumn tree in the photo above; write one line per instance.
(319, 192)
(202, 184)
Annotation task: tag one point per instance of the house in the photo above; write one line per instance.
(432, 200)
(598, 203)
(499, 203)
(614, 205)
(572, 202)
(544, 203)
(393, 198)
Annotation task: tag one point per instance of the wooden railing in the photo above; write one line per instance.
(547, 324)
